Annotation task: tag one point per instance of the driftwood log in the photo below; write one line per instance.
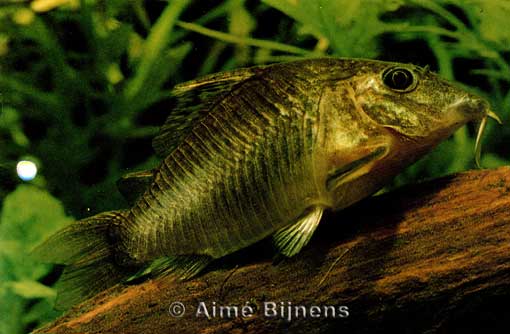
(432, 257)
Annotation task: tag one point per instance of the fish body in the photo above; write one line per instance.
(262, 152)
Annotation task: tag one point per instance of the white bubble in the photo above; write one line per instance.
(26, 170)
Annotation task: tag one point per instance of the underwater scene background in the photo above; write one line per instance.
(84, 87)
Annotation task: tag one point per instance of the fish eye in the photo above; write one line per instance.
(399, 79)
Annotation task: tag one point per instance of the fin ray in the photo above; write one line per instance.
(193, 101)
(290, 240)
(85, 247)
(133, 185)
(183, 267)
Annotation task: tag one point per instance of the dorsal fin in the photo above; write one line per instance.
(194, 99)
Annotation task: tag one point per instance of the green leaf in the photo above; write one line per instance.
(241, 23)
(29, 215)
(31, 289)
(11, 312)
(167, 64)
(41, 312)
(154, 47)
(493, 20)
(113, 45)
(350, 26)
(493, 161)
(9, 121)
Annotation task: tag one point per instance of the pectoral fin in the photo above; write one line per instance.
(290, 240)
(355, 168)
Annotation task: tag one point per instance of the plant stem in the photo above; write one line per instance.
(245, 40)
(156, 43)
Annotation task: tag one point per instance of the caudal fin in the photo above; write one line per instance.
(89, 255)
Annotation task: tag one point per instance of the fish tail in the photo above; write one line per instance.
(87, 248)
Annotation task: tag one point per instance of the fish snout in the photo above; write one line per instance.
(472, 107)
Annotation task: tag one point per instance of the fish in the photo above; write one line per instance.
(257, 153)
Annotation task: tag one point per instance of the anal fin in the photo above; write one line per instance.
(290, 240)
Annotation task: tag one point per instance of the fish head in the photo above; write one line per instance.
(415, 103)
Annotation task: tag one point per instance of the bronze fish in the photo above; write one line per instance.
(261, 152)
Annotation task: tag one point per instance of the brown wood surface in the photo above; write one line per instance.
(431, 257)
